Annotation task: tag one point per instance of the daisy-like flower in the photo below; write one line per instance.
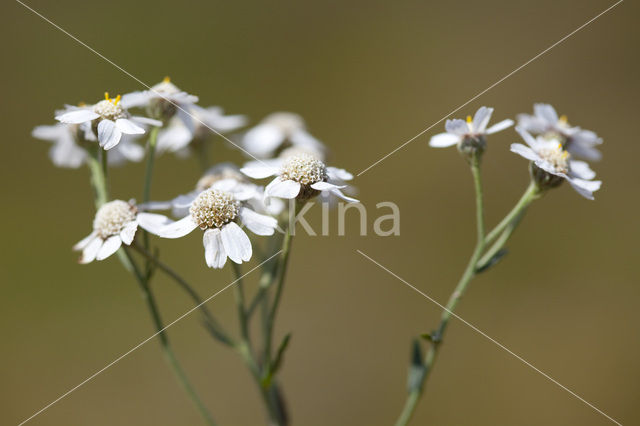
(162, 100)
(218, 213)
(300, 176)
(115, 223)
(66, 152)
(545, 120)
(461, 132)
(177, 135)
(551, 164)
(108, 119)
(279, 130)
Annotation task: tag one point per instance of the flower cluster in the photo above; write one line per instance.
(551, 151)
(224, 201)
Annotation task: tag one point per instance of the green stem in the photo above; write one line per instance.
(98, 177)
(149, 298)
(211, 323)
(240, 305)
(532, 193)
(469, 273)
(151, 156)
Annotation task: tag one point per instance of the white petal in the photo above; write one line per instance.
(80, 245)
(546, 112)
(214, 253)
(147, 120)
(77, 116)
(504, 124)
(581, 169)
(481, 119)
(236, 243)
(530, 140)
(128, 127)
(179, 228)
(340, 194)
(135, 99)
(443, 140)
(326, 186)
(305, 140)
(282, 189)
(91, 250)
(263, 139)
(257, 223)
(586, 188)
(340, 174)
(110, 246)
(108, 134)
(524, 151)
(173, 138)
(260, 171)
(129, 232)
(152, 222)
(49, 133)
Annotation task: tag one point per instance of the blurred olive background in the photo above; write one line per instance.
(367, 76)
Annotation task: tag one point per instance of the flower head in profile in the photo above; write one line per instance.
(115, 223)
(108, 120)
(301, 177)
(545, 121)
(162, 100)
(182, 130)
(279, 130)
(472, 131)
(218, 214)
(552, 164)
(68, 153)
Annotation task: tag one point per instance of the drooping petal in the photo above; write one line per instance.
(128, 127)
(443, 140)
(179, 228)
(504, 124)
(80, 245)
(129, 232)
(257, 223)
(586, 188)
(214, 253)
(338, 174)
(524, 151)
(326, 186)
(287, 189)
(260, 171)
(153, 222)
(146, 120)
(581, 170)
(236, 243)
(481, 119)
(108, 134)
(340, 194)
(110, 246)
(263, 139)
(91, 250)
(78, 116)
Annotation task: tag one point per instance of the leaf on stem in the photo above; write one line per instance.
(491, 262)
(277, 362)
(417, 369)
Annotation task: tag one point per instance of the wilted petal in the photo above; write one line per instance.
(236, 243)
(108, 134)
(586, 188)
(214, 253)
(340, 194)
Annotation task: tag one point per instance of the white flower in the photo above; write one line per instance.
(217, 213)
(459, 130)
(115, 223)
(66, 152)
(578, 142)
(164, 100)
(551, 160)
(177, 135)
(277, 130)
(300, 176)
(108, 118)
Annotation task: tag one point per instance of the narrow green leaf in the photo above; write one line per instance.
(494, 260)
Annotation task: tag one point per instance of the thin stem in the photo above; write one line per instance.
(98, 177)
(149, 298)
(240, 306)
(469, 273)
(151, 156)
(211, 323)
(532, 193)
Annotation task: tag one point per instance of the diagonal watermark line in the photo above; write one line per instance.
(94, 375)
(490, 87)
(137, 80)
(500, 345)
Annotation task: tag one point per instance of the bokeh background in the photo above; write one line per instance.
(367, 76)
